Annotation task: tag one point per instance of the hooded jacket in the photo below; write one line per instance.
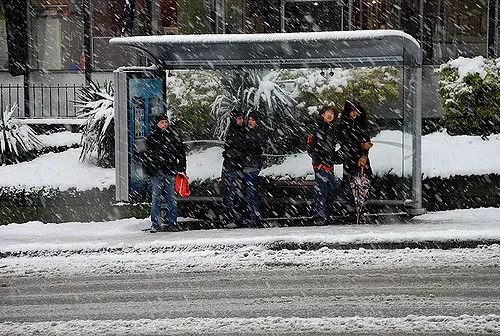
(165, 153)
(352, 133)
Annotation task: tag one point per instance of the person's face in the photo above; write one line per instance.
(251, 122)
(163, 124)
(239, 120)
(328, 116)
(353, 114)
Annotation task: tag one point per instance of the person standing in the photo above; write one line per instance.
(321, 148)
(165, 156)
(255, 142)
(232, 171)
(355, 143)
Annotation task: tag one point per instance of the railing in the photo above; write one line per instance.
(46, 101)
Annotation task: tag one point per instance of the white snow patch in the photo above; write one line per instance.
(57, 170)
(355, 325)
(60, 139)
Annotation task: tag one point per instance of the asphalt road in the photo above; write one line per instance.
(283, 291)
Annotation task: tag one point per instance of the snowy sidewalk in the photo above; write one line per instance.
(467, 225)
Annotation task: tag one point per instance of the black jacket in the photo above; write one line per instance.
(165, 153)
(322, 145)
(351, 134)
(255, 143)
(234, 147)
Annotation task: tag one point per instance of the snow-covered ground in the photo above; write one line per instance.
(355, 325)
(119, 247)
(442, 155)
(126, 234)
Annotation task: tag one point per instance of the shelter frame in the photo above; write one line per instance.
(367, 48)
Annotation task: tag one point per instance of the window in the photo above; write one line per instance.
(57, 30)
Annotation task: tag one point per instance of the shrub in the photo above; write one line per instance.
(189, 96)
(98, 135)
(371, 86)
(470, 90)
(16, 139)
(256, 91)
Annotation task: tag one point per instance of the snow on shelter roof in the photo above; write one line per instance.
(278, 50)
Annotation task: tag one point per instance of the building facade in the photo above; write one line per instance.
(69, 38)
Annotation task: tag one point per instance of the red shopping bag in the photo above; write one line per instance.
(182, 185)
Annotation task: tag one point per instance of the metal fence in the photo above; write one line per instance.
(46, 101)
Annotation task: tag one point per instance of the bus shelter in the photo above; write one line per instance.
(350, 49)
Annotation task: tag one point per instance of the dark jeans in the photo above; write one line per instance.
(324, 193)
(232, 181)
(252, 197)
(163, 187)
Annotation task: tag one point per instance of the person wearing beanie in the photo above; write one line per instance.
(165, 156)
(321, 148)
(232, 170)
(255, 142)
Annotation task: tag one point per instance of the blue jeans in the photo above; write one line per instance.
(233, 194)
(252, 196)
(324, 193)
(163, 187)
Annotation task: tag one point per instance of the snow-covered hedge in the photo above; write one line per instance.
(315, 88)
(470, 89)
(190, 95)
(16, 138)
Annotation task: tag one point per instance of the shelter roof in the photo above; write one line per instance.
(278, 50)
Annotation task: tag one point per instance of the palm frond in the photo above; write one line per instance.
(16, 138)
(96, 103)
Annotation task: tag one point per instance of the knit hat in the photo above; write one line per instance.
(161, 117)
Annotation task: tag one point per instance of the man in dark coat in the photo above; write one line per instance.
(321, 148)
(165, 156)
(232, 170)
(255, 143)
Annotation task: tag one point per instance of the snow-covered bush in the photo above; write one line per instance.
(96, 104)
(470, 89)
(258, 91)
(190, 95)
(371, 86)
(16, 138)
(252, 91)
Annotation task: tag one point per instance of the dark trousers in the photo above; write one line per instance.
(252, 197)
(232, 182)
(324, 193)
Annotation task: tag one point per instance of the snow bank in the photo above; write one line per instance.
(443, 155)
(56, 170)
(355, 325)
(470, 224)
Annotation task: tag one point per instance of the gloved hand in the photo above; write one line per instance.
(362, 161)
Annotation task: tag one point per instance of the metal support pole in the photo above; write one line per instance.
(415, 86)
(282, 16)
(492, 35)
(27, 68)
(87, 39)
